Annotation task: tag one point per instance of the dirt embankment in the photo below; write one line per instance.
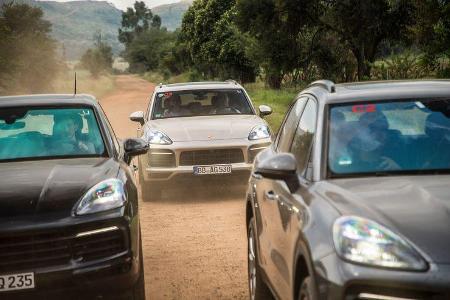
(194, 241)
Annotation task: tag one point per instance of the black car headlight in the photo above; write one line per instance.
(105, 195)
(366, 242)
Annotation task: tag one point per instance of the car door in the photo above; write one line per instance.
(269, 257)
(288, 207)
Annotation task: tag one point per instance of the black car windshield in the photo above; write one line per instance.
(200, 103)
(390, 137)
(28, 133)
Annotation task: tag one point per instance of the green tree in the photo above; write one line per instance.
(28, 59)
(276, 27)
(363, 25)
(99, 58)
(215, 45)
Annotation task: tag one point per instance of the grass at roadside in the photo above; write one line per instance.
(279, 100)
(86, 84)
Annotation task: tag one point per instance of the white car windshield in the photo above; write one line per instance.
(200, 103)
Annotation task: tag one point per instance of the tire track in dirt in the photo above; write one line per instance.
(194, 241)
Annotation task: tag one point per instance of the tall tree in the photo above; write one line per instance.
(216, 46)
(363, 25)
(28, 59)
(275, 27)
(99, 58)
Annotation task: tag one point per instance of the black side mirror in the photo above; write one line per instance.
(138, 116)
(280, 167)
(264, 110)
(134, 147)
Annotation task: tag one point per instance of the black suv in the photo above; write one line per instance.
(352, 201)
(69, 218)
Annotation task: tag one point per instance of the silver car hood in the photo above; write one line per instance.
(205, 128)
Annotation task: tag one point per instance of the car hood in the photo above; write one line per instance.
(416, 207)
(206, 128)
(49, 186)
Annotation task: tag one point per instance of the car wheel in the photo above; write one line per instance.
(307, 290)
(257, 288)
(139, 287)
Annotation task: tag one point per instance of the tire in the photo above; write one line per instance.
(139, 287)
(149, 192)
(258, 290)
(307, 291)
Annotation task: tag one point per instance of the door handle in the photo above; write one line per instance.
(270, 195)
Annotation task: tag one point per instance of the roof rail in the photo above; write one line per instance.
(231, 81)
(326, 84)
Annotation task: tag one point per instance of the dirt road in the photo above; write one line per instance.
(194, 242)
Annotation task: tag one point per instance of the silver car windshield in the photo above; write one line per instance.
(390, 137)
(200, 103)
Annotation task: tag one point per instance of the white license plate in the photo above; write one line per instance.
(16, 282)
(214, 169)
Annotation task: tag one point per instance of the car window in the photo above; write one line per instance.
(200, 103)
(407, 136)
(111, 130)
(303, 137)
(290, 124)
(47, 132)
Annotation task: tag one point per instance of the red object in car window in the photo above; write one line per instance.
(364, 108)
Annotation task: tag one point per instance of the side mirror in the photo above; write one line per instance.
(264, 110)
(134, 147)
(280, 167)
(138, 116)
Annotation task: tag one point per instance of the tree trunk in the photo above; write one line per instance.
(274, 80)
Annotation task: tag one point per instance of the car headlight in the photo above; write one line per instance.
(157, 137)
(259, 132)
(366, 242)
(106, 195)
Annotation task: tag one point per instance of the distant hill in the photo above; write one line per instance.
(76, 22)
(172, 14)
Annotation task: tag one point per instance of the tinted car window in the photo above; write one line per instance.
(34, 133)
(200, 103)
(303, 138)
(290, 124)
(390, 136)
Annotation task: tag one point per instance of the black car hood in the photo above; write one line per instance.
(416, 207)
(49, 186)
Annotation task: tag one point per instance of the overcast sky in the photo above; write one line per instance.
(123, 4)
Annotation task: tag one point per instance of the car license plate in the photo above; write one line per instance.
(16, 282)
(214, 169)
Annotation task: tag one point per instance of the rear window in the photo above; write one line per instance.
(49, 132)
(200, 103)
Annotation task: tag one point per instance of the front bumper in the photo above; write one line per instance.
(74, 258)
(177, 172)
(338, 279)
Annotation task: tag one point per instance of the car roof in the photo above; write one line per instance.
(48, 100)
(202, 85)
(330, 93)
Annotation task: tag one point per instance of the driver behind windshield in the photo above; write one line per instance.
(174, 108)
(67, 135)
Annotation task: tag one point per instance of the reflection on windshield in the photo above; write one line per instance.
(389, 137)
(41, 133)
(200, 103)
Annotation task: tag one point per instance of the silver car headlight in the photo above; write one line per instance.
(153, 136)
(259, 132)
(105, 195)
(366, 242)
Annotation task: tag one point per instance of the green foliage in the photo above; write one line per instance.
(28, 60)
(402, 66)
(215, 46)
(147, 45)
(98, 59)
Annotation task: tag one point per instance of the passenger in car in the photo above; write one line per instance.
(437, 130)
(174, 108)
(370, 148)
(67, 135)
